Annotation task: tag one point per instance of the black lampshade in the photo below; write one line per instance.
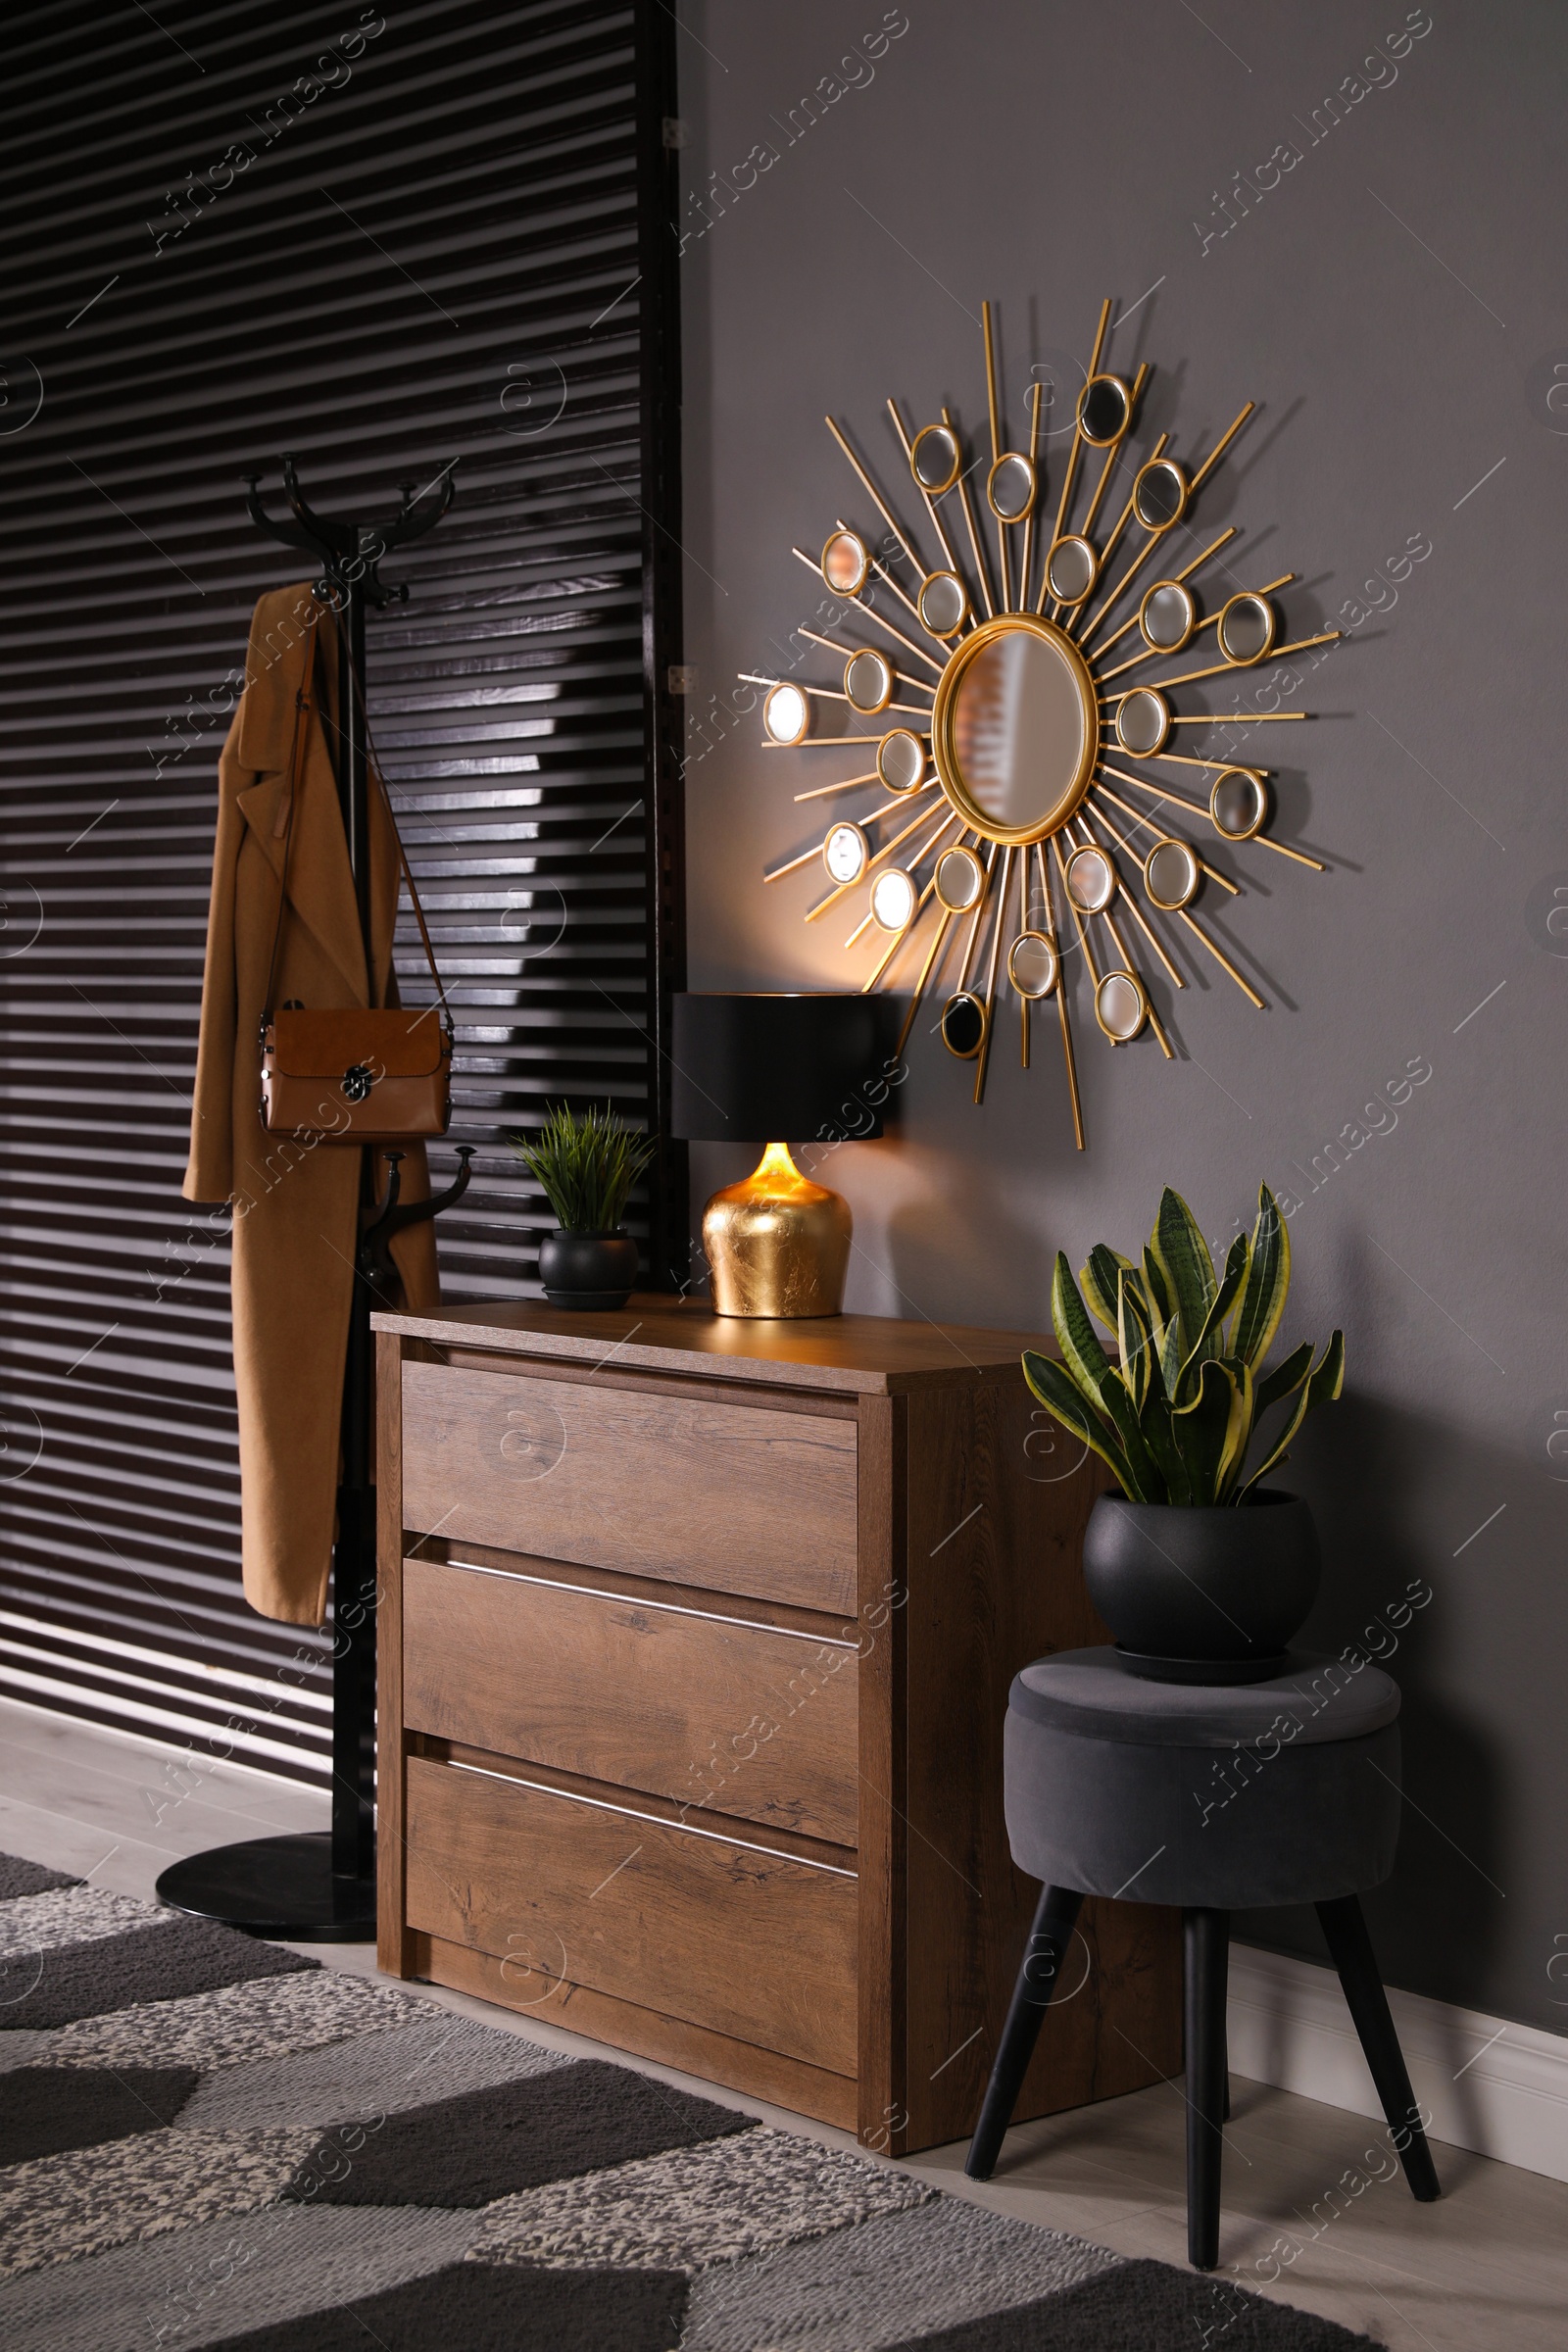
(778, 1070)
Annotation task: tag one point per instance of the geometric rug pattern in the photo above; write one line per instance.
(207, 2141)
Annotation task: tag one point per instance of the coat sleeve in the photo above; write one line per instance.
(210, 1174)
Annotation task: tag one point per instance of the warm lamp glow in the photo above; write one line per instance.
(778, 1244)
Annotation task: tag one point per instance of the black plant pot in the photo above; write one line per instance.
(1208, 1595)
(590, 1271)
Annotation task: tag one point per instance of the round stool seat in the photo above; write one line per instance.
(1225, 1797)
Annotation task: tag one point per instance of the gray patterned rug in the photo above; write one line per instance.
(205, 2140)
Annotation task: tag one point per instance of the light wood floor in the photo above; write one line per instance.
(1485, 2270)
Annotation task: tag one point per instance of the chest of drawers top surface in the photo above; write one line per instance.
(847, 1355)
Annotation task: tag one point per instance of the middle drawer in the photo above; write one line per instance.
(734, 1717)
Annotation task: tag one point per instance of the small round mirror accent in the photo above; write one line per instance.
(1167, 617)
(963, 1025)
(900, 760)
(846, 852)
(960, 879)
(1172, 874)
(1104, 407)
(1010, 488)
(1160, 494)
(1070, 570)
(869, 682)
(1238, 805)
(846, 562)
(786, 715)
(935, 459)
(893, 898)
(1142, 721)
(1120, 1006)
(1032, 964)
(1091, 880)
(942, 604)
(1247, 628)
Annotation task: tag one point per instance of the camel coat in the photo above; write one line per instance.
(295, 1204)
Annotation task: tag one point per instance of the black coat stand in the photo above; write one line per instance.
(320, 1887)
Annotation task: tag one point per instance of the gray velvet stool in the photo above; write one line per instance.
(1216, 1798)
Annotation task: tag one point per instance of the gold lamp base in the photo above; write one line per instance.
(777, 1244)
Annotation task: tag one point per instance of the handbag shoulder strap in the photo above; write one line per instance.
(296, 761)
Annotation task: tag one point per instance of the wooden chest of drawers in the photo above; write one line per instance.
(694, 1645)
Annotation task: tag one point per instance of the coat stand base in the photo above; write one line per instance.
(283, 1888)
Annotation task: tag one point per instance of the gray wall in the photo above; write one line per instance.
(1396, 305)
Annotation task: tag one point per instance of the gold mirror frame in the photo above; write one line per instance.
(944, 710)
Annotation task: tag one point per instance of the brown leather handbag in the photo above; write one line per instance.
(348, 1074)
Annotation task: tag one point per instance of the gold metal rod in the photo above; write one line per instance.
(1132, 907)
(1107, 550)
(819, 792)
(1164, 792)
(886, 576)
(900, 939)
(794, 863)
(836, 646)
(1187, 759)
(1078, 920)
(1127, 809)
(1220, 958)
(863, 926)
(974, 536)
(991, 974)
(937, 523)
(1077, 440)
(1185, 573)
(1211, 621)
(822, 743)
(836, 694)
(921, 984)
(886, 850)
(1217, 451)
(871, 613)
(1155, 1021)
(979, 915)
(1027, 562)
(1190, 677)
(875, 496)
(1068, 1054)
(1222, 719)
(1115, 450)
(905, 799)
(990, 381)
(1023, 925)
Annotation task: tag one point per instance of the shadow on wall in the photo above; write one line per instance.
(963, 1261)
(1438, 1921)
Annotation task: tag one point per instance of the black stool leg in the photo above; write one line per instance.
(1041, 1967)
(1350, 1949)
(1206, 1938)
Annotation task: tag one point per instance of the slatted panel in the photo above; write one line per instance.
(430, 253)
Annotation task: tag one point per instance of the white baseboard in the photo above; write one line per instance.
(1499, 2088)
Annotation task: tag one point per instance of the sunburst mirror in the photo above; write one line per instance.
(1019, 810)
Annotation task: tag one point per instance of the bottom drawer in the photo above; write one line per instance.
(753, 1944)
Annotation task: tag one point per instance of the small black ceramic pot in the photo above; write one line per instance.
(590, 1271)
(1207, 1596)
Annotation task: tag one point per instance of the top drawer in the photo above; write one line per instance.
(738, 1498)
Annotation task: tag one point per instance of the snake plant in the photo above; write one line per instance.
(1175, 1414)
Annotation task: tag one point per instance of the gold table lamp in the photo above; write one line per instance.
(804, 1066)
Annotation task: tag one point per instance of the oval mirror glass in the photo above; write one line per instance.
(960, 879)
(1071, 570)
(846, 560)
(1142, 721)
(1167, 617)
(1032, 964)
(1238, 805)
(942, 604)
(786, 715)
(1120, 1006)
(1103, 409)
(1171, 874)
(844, 852)
(869, 682)
(900, 760)
(1247, 628)
(1160, 494)
(1011, 489)
(894, 897)
(963, 1025)
(934, 458)
(1091, 880)
(1018, 732)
